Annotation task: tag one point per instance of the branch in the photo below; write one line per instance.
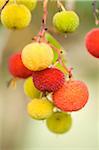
(44, 19)
(7, 1)
(95, 12)
(59, 57)
(45, 13)
(68, 71)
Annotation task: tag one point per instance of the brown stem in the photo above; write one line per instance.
(95, 12)
(60, 57)
(45, 13)
(70, 73)
(44, 19)
(7, 1)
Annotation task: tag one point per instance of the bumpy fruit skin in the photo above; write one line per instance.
(30, 89)
(59, 122)
(2, 2)
(72, 96)
(15, 16)
(40, 109)
(66, 21)
(92, 42)
(50, 79)
(16, 67)
(30, 4)
(37, 56)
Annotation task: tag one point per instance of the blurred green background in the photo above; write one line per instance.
(17, 130)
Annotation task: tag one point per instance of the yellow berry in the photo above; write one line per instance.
(2, 2)
(37, 56)
(40, 108)
(30, 90)
(30, 4)
(15, 16)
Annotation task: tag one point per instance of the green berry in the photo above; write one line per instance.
(30, 90)
(66, 21)
(59, 122)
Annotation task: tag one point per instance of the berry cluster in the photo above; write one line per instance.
(48, 82)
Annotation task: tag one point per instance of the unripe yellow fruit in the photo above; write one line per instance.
(15, 16)
(2, 2)
(30, 90)
(40, 108)
(37, 56)
(30, 4)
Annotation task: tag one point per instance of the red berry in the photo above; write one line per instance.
(16, 67)
(72, 96)
(92, 42)
(50, 79)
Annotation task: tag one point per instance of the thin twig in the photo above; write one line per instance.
(7, 1)
(44, 19)
(70, 73)
(60, 57)
(94, 4)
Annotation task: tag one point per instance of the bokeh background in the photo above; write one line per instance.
(17, 130)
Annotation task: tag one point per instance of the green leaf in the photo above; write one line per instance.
(55, 43)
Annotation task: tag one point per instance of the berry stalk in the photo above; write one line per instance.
(61, 5)
(60, 59)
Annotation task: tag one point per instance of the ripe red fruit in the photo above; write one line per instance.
(72, 96)
(16, 67)
(50, 79)
(92, 42)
